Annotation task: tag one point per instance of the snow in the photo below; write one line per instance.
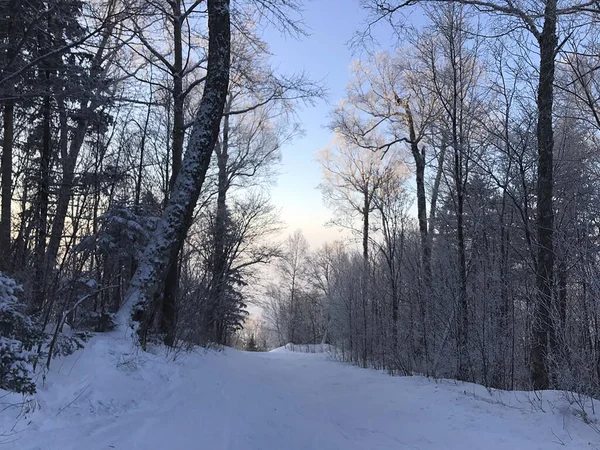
(306, 348)
(109, 396)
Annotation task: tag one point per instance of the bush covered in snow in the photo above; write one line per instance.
(123, 232)
(18, 336)
(68, 344)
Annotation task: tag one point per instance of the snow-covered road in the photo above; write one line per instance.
(106, 399)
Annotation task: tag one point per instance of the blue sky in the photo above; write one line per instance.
(324, 55)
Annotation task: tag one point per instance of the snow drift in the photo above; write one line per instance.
(109, 396)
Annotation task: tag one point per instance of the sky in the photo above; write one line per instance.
(324, 55)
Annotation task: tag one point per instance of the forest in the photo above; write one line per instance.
(140, 140)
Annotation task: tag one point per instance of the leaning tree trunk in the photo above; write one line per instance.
(168, 238)
(542, 326)
(169, 302)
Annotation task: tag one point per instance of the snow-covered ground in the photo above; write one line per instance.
(110, 397)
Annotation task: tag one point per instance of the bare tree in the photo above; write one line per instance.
(169, 236)
(542, 23)
(352, 176)
(284, 307)
(388, 100)
(258, 119)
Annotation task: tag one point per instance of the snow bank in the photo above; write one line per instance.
(107, 378)
(305, 348)
(109, 396)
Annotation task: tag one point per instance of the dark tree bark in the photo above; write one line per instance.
(463, 320)
(219, 266)
(548, 43)
(65, 191)
(169, 236)
(169, 303)
(8, 136)
(547, 39)
(366, 211)
(5, 220)
(140, 167)
(43, 200)
(70, 151)
(419, 158)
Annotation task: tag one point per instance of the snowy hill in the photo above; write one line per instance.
(110, 397)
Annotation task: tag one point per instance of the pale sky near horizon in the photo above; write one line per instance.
(324, 55)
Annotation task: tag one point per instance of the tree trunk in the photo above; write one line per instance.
(43, 201)
(9, 11)
(65, 192)
(140, 168)
(169, 236)
(220, 258)
(419, 157)
(365, 278)
(562, 293)
(436, 188)
(542, 326)
(70, 153)
(5, 219)
(463, 301)
(169, 302)
(463, 304)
